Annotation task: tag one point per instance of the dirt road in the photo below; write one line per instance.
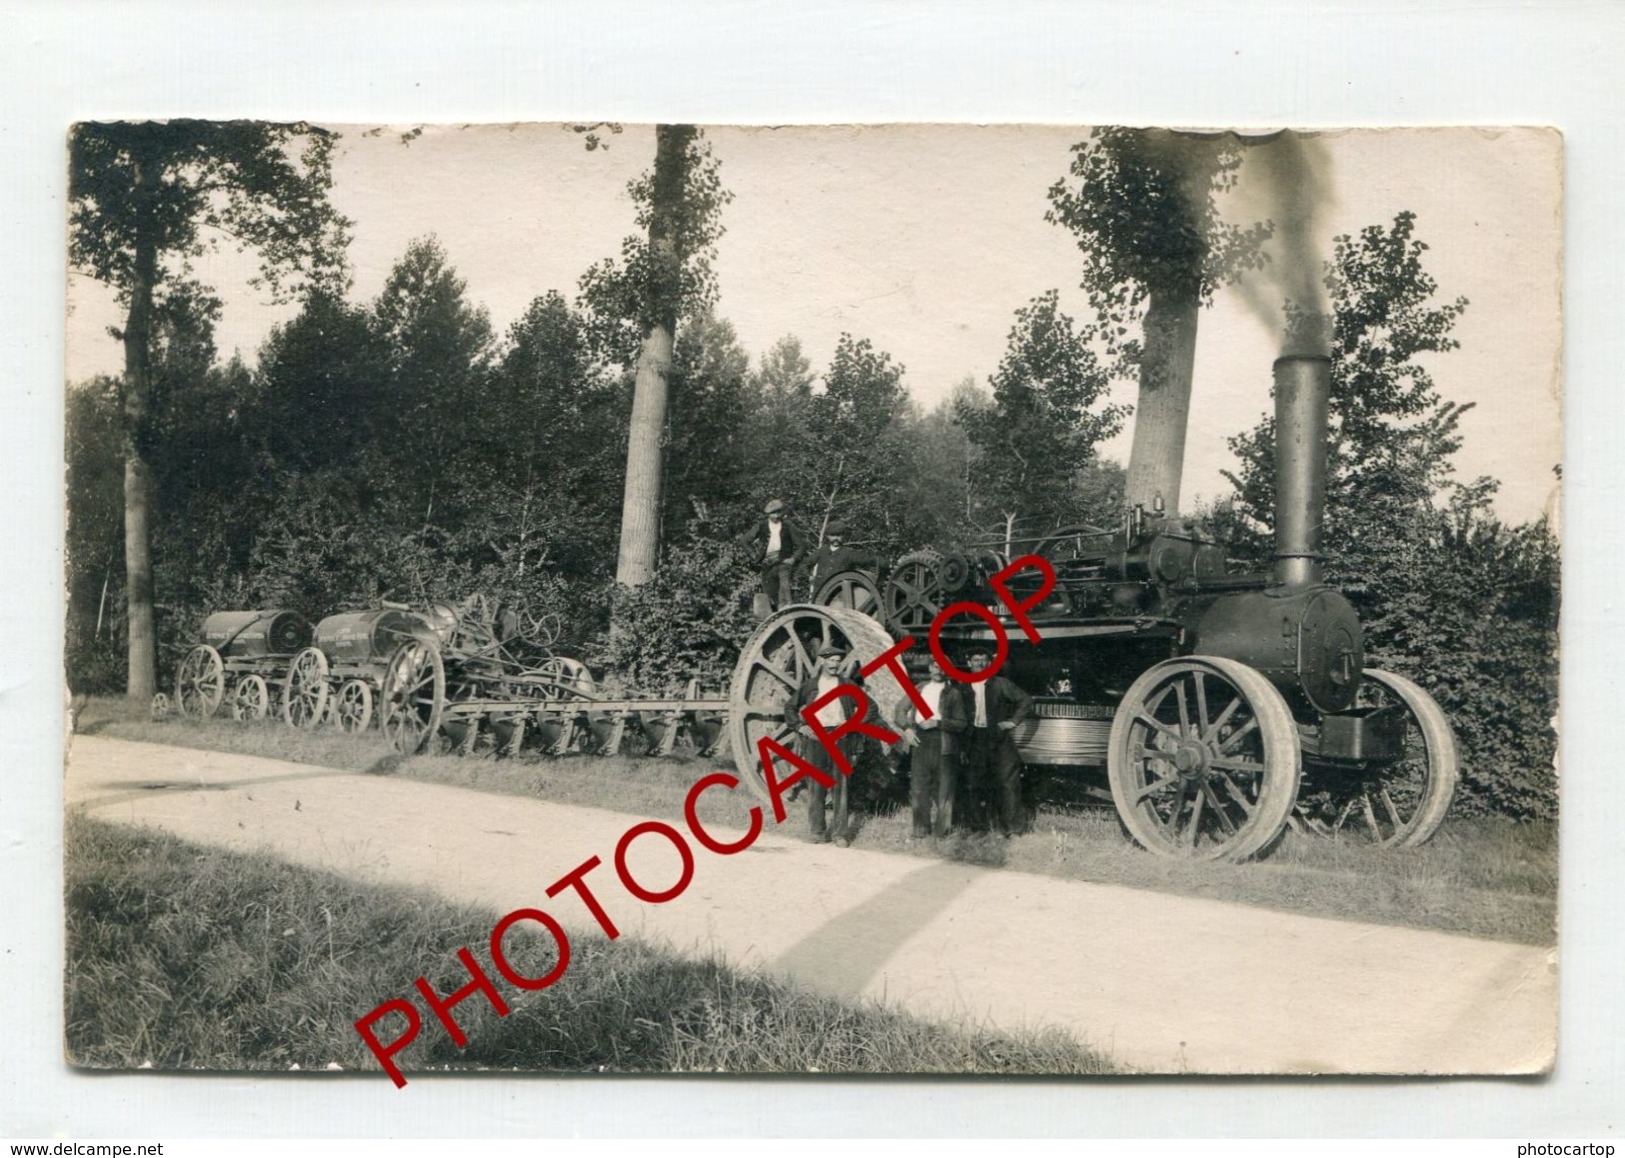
(1163, 983)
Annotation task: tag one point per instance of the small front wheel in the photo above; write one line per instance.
(200, 685)
(354, 706)
(1400, 803)
(304, 699)
(251, 699)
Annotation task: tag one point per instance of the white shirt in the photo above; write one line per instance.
(773, 539)
(931, 693)
(981, 704)
(832, 714)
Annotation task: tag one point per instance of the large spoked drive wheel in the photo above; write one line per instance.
(856, 590)
(414, 695)
(776, 659)
(304, 699)
(1392, 805)
(200, 685)
(251, 699)
(1203, 760)
(354, 710)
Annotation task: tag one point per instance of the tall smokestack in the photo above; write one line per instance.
(1302, 395)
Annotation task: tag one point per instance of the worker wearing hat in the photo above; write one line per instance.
(836, 556)
(995, 707)
(933, 744)
(832, 670)
(777, 548)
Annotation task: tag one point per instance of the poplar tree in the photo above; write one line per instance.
(663, 276)
(1142, 207)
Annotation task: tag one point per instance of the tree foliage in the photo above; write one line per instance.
(178, 189)
(664, 274)
(1143, 207)
(1145, 215)
(688, 622)
(664, 271)
(1044, 422)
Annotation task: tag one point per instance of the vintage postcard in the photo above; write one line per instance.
(889, 599)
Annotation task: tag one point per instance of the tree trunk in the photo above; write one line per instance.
(142, 675)
(1157, 457)
(640, 505)
(142, 679)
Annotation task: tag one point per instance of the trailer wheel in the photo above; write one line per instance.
(1402, 804)
(251, 699)
(778, 656)
(1203, 760)
(304, 699)
(414, 695)
(200, 685)
(354, 709)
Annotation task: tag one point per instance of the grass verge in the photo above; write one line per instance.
(183, 957)
(1481, 877)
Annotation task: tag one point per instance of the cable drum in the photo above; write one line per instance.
(1065, 733)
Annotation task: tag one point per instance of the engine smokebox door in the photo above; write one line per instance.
(1331, 652)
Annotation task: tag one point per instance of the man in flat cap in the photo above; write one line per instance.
(777, 547)
(995, 707)
(836, 556)
(832, 671)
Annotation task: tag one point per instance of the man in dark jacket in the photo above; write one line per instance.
(836, 556)
(777, 549)
(992, 765)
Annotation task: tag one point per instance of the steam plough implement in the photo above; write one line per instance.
(434, 671)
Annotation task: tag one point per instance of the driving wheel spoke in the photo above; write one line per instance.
(1218, 807)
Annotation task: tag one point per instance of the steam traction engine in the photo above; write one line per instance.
(1223, 706)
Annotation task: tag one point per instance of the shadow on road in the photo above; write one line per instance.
(843, 955)
(143, 789)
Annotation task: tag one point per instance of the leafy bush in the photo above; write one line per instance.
(690, 619)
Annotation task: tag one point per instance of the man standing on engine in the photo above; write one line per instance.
(777, 549)
(835, 556)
